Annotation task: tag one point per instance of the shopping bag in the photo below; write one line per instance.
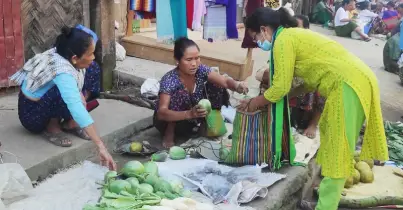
(215, 124)
(251, 141)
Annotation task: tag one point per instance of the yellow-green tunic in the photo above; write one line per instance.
(325, 65)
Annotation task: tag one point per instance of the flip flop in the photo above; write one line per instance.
(77, 132)
(58, 139)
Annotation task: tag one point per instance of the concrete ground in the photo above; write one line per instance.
(114, 120)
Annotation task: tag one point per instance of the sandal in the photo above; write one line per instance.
(306, 205)
(58, 139)
(77, 132)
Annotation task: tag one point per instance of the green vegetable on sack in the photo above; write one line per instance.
(177, 153)
(163, 186)
(133, 168)
(110, 176)
(151, 179)
(145, 188)
(151, 168)
(177, 186)
(134, 182)
(205, 104)
(159, 156)
(223, 153)
(118, 186)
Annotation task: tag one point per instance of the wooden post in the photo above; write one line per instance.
(130, 16)
(248, 65)
(102, 22)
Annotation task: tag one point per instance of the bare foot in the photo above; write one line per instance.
(168, 141)
(310, 132)
(169, 135)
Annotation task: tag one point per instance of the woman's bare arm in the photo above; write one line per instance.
(225, 82)
(168, 115)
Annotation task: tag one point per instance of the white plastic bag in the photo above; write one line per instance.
(14, 183)
(120, 52)
(150, 88)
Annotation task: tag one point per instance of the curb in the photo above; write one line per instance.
(86, 151)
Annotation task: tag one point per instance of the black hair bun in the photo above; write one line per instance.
(66, 31)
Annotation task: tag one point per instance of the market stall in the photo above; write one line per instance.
(212, 24)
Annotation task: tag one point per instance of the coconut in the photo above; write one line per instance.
(356, 176)
(370, 163)
(367, 176)
(362, 166)
(349, 182)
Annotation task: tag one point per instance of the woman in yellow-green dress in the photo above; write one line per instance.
(348, 84)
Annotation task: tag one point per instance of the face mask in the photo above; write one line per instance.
(266, 45)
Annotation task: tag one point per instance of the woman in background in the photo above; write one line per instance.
(305, 108)
(51, 91)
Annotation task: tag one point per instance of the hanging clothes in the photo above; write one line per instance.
(250, 7)
(231, 10)
(165, 28)
(198, 12)
(178, 12)
(215, 23)
(143, 5)
(190, 9)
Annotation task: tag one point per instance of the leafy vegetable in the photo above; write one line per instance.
(163, 186)
(145, 188)
(151, 168)
(177, 153)
(133, 168)
(117, 186)
(205, 104)
(177, 186)
(394, 136)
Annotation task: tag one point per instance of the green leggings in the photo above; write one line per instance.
(330, 189)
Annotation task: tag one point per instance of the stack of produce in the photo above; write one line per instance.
(394, 136)
(136, 187)
(362, 173)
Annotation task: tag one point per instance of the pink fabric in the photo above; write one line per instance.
(198, 12)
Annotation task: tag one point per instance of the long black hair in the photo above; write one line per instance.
(73, 42)
(305, 20)
(264, 16)
(181, 45)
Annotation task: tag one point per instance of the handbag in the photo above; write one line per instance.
(263, 136)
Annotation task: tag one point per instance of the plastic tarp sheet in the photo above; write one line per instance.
(67, 190)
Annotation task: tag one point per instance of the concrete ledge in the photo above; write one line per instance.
(285, 194)
(210, 54)
(114, 120)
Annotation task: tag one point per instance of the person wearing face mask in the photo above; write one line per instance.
(177, 111)
(348, 84)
